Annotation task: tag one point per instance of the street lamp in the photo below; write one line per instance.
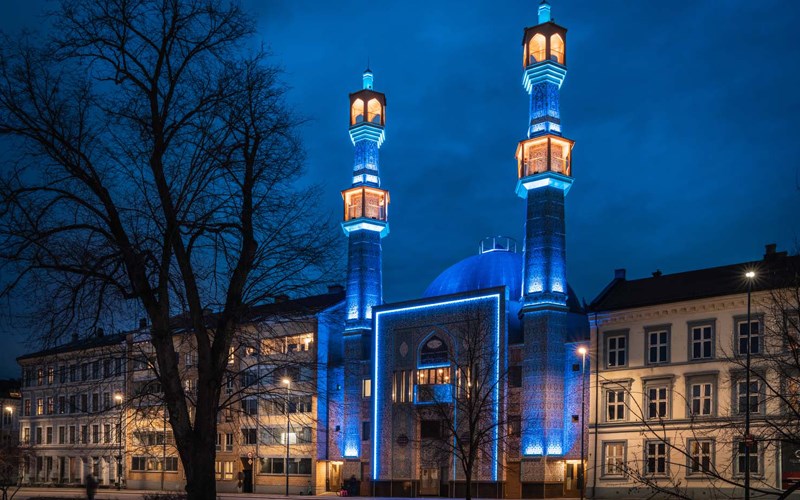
(118, 398)
(581, 474)
(286, 466)
(750, 275)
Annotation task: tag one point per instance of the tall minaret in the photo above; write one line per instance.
(365, 224)
(545, 176)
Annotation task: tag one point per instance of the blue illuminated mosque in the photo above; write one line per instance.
(405, 370)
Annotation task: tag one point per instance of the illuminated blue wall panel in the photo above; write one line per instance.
(545, 268)
(364, 280)
(572, 398)
(543, 382)
(545, 116)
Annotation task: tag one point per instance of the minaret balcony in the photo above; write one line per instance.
(366, 208)
(547, 153)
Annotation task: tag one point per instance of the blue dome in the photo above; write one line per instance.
(485, 270)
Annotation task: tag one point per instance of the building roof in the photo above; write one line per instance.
(775, 270)
(283, 307)
(9, 389)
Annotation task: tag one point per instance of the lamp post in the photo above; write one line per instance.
(118, 398)
(286, 466)
(581, 474)
(747, 438)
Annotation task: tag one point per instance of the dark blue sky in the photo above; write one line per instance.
(684, 116)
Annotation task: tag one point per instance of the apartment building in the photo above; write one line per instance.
(10, 406)
(669, 391)
(70, 421)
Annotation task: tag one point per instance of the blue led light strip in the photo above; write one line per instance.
(376, 386)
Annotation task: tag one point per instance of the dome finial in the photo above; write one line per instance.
(544, 12)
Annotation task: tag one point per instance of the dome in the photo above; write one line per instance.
(485, 270)
(497, 264)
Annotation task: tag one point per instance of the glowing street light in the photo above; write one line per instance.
(119, 399)
(581, 477)
(748, 440)
(288, 383)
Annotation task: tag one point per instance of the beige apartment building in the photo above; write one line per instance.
(669, 388)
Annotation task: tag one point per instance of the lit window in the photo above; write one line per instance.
(536, 48)
(614, 463)
(557, 48)
(700, 453)
(357, 112)
(366, 388)
(374, 111)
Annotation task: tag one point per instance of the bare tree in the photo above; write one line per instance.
(152, 168)
(463, 399)
(11, 460)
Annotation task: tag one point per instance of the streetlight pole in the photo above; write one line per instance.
(118, 399)
(747, 438)
(581, 473)
(286, 466)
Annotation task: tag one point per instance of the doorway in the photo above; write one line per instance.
(247, 475)
(571, 483)
(429, 482)
(334, 476)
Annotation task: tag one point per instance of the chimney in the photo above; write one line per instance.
(619, 274)
(99, 332)
(657, 273)
(74, 336)
(142, 323)
(281, 298)
(335, 289)
(769, 250)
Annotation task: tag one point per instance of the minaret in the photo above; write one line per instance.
(545, 175)
(365, 224)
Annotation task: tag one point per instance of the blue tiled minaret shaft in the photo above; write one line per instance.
(544, 171)
(365, 224)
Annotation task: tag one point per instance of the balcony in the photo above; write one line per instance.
(433, 393)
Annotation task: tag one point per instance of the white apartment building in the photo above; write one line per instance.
(669, 388)
(70, 418)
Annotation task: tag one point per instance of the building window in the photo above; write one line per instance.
(107, 435)
(38, 435)
(617, 350)
(755, 335)
(430, 429)
(40, 406)
(250, 406)
(149, 464)
(51, 406)
(657, 401)
(701, 338)
(657, 346)
(26, 407)
(615, 405)
(614, 459)
(365, 431)
(229, 441)
(95, 433)
(26, 435)
(39, 376)
(366, 388)
(742, 402)
(49, 435)
(656, 457)
(249, 436)
(62, 435)
(51, 375)
(700, 456)
(297, 466)
(72, 435)
(62, 405)
(741, 458)
(702, 399)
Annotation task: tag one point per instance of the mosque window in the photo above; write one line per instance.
(357, 112)
(557, 48)
(374, 111)
(536, 48)
(434, 351)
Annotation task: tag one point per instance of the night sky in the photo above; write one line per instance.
(684, 116)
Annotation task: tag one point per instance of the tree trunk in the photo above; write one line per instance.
(201, 483)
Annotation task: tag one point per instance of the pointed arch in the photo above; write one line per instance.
(374, 111)
(357, 112)
(557, 48)
(536, 48)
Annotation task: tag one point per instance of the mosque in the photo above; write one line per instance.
(482, 373)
